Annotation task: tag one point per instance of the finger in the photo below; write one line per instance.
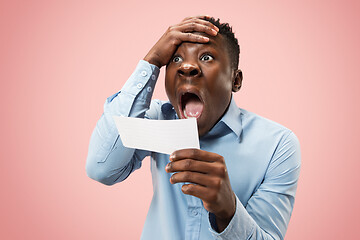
(198, 27)
(202, 192)
(197, 16)
(197, 154)
(194, 177)
(180, 37)
(213, 169)
(199, 22)
(202, 20)
(191, 37)
(190, 165)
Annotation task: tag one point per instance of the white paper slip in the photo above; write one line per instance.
(163, 136)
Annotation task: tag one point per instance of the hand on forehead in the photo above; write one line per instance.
(161, 53)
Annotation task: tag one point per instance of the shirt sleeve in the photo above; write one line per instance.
(108, 161)
(268, 211)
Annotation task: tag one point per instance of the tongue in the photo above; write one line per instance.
(193, 108)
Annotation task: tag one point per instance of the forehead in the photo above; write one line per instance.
(216, 42)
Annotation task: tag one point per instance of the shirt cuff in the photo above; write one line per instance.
(241, 225)
(139, 86)
(142, 80)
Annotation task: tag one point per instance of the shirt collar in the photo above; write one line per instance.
(231, 119)
(168, 111)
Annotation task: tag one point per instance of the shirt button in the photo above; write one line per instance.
(194, 212)
(143, 73)
(139, 85)
(153, 77)
(148, 89)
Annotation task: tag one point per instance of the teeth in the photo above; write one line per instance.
(185, 114)
(191, 115)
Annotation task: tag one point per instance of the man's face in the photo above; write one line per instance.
(199, 81)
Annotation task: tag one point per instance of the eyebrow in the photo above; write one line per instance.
(212, 42)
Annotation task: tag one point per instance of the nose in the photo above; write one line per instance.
(189, 70)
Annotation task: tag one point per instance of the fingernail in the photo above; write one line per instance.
(214, 31)
(172, 156)
(171, 180)
(206, 38)
(168, 166)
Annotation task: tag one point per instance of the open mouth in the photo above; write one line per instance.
(191, 105)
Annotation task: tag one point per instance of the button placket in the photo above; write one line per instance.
(143, 73)
(194, 212)
(193, 220)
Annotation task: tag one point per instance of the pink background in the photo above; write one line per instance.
(60, 60)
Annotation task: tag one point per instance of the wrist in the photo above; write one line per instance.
(222, 223)
(153, 61)
(223, 218)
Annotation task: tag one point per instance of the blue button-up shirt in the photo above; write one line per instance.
(262, 158)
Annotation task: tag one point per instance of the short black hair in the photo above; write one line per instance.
(231, 41)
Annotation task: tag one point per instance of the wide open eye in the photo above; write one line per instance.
(177, 59)
(206, 57)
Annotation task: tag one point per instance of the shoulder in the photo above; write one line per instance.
(261, 130)
(279, 142)
(257, 124)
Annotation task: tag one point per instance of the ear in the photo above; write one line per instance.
(237, 80)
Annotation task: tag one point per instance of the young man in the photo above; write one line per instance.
(241, 184)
